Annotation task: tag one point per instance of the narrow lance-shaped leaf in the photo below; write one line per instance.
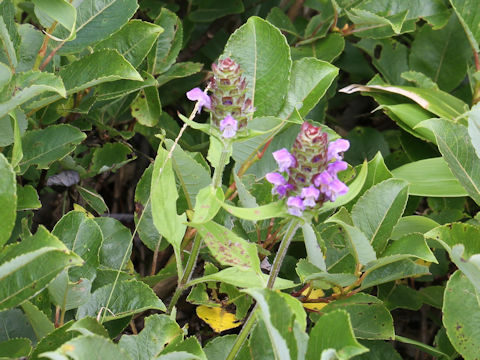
(8, 199)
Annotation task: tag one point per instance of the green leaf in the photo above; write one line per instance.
(93, 199)
(133, 41)
(423, 347)
(84, 237)
(207, 204)
(146, 108)
(272, 210)
(326, 49)
(42, 147)
(159, 330)
(474, 128)
(59, 11)
(27, 267)
(8, 199)
(17, 324)
(89, 326)
(309, 81)
(165, 52)
(179, 70)
(393, 271)
(411, 245)
(15, 348)
(459, 153)
(31, 84)
(228, 248)
(40, 322)
(334, 331)
(124, 298)
(379, 209)
(164, 197)
(9, 54)
(460, 310)
(370, 319)
(440, 181)
(438, 102)
(27, 198)
(118, 88)
(69, 295)
(279, 19)
(81, 348)
(116, 246)
(441, 54)
(468, 12)
(263, 54)
(314, 252)
(209, 10)
(54, 340)
(109, 157)
(97, 20)
(372, 25)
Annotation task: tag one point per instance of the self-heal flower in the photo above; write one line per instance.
(284, 159)
(203, 99)
(228, 127)
(280, 185)
(337, 166)
(295, 205)
(310, 195)
(336, 147)
(330, 186)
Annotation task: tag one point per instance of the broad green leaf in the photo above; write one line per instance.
(264, 56)
(109, 157)
(15, 348)
(474, 128)
(379, 350)
(422, 346)
(17, 324)
(459, 153)
(398, 296)
(31, 84)
(438, 102)
(441, 54)
(31, 42)
(461, 309)
(84, 237)
(69, 295)
(81, 347)
(228, 248)
(377, 172)
(27, 198)
(41, 324)
(370, 319)
(379, 209)
(314, 252)
(133, 41)
(89, 326)
(54, 340)
(244, 278)
(169, 44)
(118, 88)
(279, 320)
(440, 181)
(411, 245)
(359, 245)
(338, 279)
(159, 330)
(309, 81)
(468, 12)
(8, 199)
(334, 331)
(208, 202)
(219, 347)
(8, 54)
(5, 75)
(93, 199)
(121, 299)
(116, 246)
(164, 196)
(42, 147)
(279, 19)
(272, 210)
(326, 49)
(187, 349)
(97, 20)
(412, 224)
(209, 10)
(8, 12)
(27, 267)
(146, 108)
(179, 70)
(393, 271)
(369, 24)
(60, 11)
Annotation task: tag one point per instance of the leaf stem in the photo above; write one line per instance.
(242, 336)
(218, 174)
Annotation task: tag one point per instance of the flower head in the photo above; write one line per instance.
(310, 195)
(228, 126)
(295, 205)
(330, 186)
(203, 99)
(280, 185)
(336, 147)
(284, 159)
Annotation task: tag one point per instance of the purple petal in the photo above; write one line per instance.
(336, 167)
(336, 147)
(295, 205)
(228, 126)
(203, 99)
(284, 159)
(310, 192)
(275, 178)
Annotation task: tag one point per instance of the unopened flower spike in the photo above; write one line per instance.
(307, 175)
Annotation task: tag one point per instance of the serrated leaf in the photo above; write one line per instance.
(379, 209)
(15, 348)
(89, 326)
(468, 12)
(413, 224)
(411, 245)
(440, 181)
(9, 54)
(27, 267)
(393, 271)
(93, 199)
(69, 295)
(59, 11)
(474, 128)
(264, 56)
(8, 199)
(97, 20)
(41, 324)
(121, 299)
(42, 147)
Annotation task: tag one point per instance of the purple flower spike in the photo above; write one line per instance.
(284, 159)
(228, 126)
(336, 167)
(275, 178)
(310, 195)
(295, 205)
(336, 147)
(198, 95)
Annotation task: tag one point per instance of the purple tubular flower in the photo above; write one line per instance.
(330, 186)
(337, 166)
(310, 194)
(228, 126)
(203, 99)
(295, 205)
(336, 147)
(284, 159)
(280, 184)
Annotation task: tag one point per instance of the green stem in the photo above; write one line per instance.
(277, 263)
(218, 174)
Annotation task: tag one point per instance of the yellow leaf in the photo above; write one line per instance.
(314, 294)
(218, 318)
(314, 306)
(77, 207)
